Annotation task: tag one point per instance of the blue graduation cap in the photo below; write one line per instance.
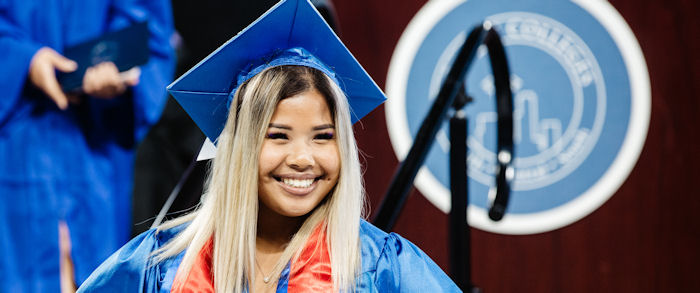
(290, 33)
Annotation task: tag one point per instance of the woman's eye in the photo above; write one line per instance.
(324, 136)
(276, 135)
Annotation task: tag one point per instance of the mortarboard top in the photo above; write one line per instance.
(291, 32)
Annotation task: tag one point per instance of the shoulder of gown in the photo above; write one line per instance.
(390, 263)
(130, 268)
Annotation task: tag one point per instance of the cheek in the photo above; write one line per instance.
(329, 159)
(268, 160)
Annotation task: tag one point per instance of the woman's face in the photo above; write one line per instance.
(299, 159)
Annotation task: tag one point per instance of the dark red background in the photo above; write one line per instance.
(646, 238)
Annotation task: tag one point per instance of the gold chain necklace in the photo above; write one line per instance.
(266, 279)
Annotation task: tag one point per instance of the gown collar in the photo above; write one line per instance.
(310, 271)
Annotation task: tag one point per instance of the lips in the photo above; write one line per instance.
(298, 184)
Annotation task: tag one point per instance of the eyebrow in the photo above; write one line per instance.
(323, 127)
(282, 126)
(315, 128)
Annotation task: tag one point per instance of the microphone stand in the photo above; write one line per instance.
(453, 94)
(460, 234)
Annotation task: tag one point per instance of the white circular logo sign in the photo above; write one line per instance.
(581, 103)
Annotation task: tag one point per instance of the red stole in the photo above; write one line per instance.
(310, 272)
(200, 277)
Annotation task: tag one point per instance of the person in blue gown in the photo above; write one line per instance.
(390, 263)
(68, 158)
(283, 207)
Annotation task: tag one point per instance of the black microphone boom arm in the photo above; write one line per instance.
(402, 182)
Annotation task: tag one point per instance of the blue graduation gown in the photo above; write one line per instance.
(390, 263)
(73, 165)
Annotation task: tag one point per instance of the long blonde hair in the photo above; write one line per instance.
(229, 208)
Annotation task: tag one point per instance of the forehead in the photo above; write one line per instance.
(308, 106)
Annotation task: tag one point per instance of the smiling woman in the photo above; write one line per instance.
(283, 206)
(299, 160)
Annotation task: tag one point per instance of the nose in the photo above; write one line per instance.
(300, 157)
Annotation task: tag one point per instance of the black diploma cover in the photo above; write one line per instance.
(126, 48)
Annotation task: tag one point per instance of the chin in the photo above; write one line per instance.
(296, 212)
(298, 208)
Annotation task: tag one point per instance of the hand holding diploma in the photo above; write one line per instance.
(102, 80)
(105, 81)
(42, 73)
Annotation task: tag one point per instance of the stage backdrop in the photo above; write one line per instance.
(644, 236)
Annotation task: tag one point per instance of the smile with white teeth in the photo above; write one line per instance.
(298, 183)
